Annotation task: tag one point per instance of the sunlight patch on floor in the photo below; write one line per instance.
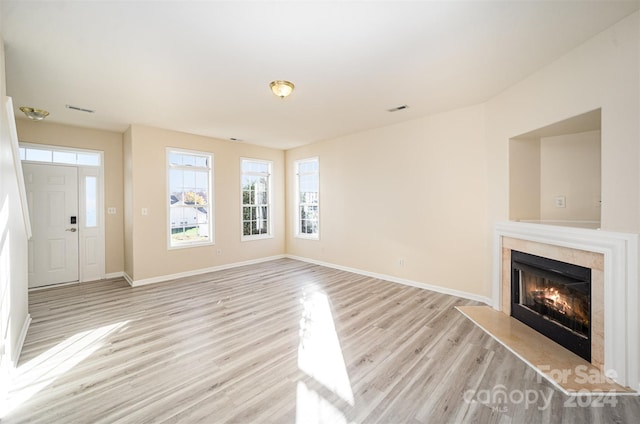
(312, 408)
(33, 376)
(320, 357)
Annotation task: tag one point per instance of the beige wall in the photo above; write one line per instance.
(145, 156)
(524, 179)
(570, 167)
(440, 183)
(111, 144)
(601, 73)
(414, 191)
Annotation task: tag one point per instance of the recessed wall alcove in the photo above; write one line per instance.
(555, 173)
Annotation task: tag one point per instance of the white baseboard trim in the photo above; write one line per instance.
(128, 278)
(17, 349)
(152, 280)
(406, 282)
(112, 275)
(453, 292)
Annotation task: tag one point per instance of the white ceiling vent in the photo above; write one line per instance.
(81, 109)
(397, 108)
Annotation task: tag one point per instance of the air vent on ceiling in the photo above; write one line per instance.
(81, 109)
(397, 108)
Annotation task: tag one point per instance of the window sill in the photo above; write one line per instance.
(258, 237)
(190, 245)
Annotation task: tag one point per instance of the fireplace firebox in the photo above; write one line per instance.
(554, 298)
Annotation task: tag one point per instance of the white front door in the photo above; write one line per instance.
(52, 194)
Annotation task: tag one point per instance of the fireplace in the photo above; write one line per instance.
(615, 293)
(554, 298)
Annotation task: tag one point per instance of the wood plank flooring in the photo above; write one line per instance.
(279, 342)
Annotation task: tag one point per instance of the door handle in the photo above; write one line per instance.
(73, 230)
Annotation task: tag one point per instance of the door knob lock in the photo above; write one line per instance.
(73, 230)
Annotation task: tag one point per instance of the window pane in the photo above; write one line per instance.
(189, 180)
(64, 157)
(91, 159)
(308, 183)
(312, 212)
(23, 153)
(176, 217)
(175, 181)
(201, 215)
(38, 155)
(175, 159)
(261, 184)
(308, 166)
(91, 202)
(191, 225)
(202, 180)
(203, 196)
(188, 160)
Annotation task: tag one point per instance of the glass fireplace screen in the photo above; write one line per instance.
(558, 298)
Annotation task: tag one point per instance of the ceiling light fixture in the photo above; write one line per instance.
(281, 88)
(34, 114)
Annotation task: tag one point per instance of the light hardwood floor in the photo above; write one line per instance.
(282, 342)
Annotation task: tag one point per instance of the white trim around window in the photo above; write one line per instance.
(307, 199)
(190, 208)
(256, 210)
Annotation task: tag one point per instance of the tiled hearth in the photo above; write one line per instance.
(561, 367)
(613, 260)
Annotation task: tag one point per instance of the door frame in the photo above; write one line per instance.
(86, 271)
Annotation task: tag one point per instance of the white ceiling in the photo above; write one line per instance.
(204, 67)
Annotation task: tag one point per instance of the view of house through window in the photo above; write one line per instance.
(307, 199)
(190, 210)
(256, 198)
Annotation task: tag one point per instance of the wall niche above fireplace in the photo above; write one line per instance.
(555, 173)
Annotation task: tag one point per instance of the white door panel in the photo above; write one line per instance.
(52, 192)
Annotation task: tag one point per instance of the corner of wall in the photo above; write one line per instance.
(127, 157)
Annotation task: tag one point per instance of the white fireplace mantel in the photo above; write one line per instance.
(621, 293)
